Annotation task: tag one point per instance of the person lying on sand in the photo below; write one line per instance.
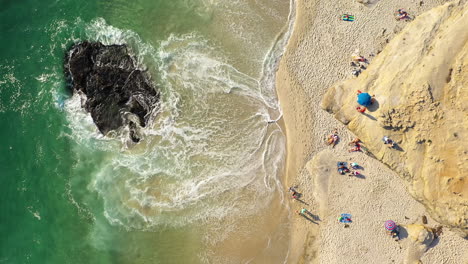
(401, 14)
(356, 56)
(354, 173)
(357, 147)
(342, 169)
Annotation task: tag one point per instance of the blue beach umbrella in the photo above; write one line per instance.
(364, 99)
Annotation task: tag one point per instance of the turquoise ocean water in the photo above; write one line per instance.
(205, 179)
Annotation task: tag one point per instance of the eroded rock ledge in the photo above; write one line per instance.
(420, 81)
(118, 92)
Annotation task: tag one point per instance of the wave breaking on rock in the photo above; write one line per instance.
(118, 93)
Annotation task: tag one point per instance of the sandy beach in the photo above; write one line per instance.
(317, 56)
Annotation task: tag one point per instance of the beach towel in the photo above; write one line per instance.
(346, 17)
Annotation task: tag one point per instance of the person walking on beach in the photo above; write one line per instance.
(294, 193)
(303, 212)
(387, 141)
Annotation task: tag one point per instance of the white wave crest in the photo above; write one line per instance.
(211, 152)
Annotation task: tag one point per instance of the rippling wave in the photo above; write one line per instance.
(208, 154)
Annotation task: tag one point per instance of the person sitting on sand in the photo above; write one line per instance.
(361, 109)
(333, 138)
(354, 173)
(394, 233)
(357, 147)
(389, 142)
(354, 141)
(354, 165)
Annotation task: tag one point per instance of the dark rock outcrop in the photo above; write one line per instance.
(118, 92)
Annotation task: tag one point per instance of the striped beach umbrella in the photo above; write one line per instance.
(390, 225)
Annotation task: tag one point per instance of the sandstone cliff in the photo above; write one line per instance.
(420, 82)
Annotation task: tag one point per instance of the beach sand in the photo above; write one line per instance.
(317, 56)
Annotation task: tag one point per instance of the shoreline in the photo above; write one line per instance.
(295, 151)
(302, 79)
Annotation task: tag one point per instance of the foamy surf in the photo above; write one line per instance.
(206, 155)
(205, 175)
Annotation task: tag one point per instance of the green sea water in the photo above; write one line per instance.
(211, 158)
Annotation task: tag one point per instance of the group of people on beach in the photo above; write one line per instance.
(343, 169)
(358, 63)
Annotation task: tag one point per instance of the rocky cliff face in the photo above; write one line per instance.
(118, 92)
(420, 82)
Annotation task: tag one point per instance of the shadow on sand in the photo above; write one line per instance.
(397, 147)
(402, 233)
(360, 176)
(314, 216)
(370, 116)
(301, 201)
(374, 106)
(309, 218)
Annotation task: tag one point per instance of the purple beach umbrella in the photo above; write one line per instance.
(390, 225)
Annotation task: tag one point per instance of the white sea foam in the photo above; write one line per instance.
(211, 152)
